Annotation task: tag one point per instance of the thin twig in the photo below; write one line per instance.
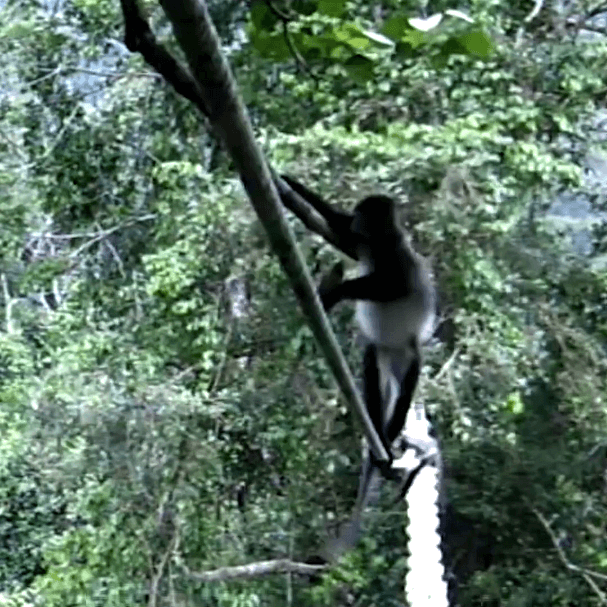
(105, 233)
(446, 365)
(57, 138)
(566, 562)
(115, 75)
(299, 60)
(8, 303)
(116, 256)
(160, 570)
(537, 7)
(601, 7)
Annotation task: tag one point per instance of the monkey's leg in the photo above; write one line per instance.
(403, 404)
(374, 401)
(371, 389)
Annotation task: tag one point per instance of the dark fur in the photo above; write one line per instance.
(395, 312)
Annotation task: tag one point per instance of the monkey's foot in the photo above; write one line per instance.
(431, 458)
(407, 461)
(385, 467)
(412, 457)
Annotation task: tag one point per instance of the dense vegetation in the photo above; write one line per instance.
(164, 408)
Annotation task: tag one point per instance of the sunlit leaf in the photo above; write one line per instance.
(415, 38)
(378, 38)
(459, 15)
(515, 404)
(352, 35)
(425, 25)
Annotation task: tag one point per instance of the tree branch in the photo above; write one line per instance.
(216, 96)
(253, 570)
(563, 557)
(299, 60)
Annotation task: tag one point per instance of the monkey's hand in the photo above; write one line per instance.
(327, 299)
(329, 284)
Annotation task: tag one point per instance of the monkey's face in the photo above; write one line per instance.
(373, 216)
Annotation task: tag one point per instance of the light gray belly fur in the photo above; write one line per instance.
(393, 323)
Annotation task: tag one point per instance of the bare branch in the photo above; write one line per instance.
(8, 303)
(299, 60)
(599, 8)
(535, 11)
(446, 365)
(254, 570)
(112, 75)
(96, 237)
(587, 575)
(49, 150)
(158, 574)
(282, 16)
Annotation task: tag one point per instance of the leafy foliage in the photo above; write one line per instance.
(164, 409)
(329, 34)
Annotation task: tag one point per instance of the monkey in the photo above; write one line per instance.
(395, 303)
(395, 312)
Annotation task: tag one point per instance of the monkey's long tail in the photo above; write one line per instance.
(371, 481)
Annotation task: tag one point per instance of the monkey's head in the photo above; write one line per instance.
(374, 216)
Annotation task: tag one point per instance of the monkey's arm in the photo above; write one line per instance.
(333, 225)
(371, 287)
(338, 220)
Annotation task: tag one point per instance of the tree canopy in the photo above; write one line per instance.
(165, 411)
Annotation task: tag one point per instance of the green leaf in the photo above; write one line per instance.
(396, 27)
(352, 35)
(415, 38)
(262, 17)
(331, 8)
(476, 43)
(325, 45)
(360, 68)
(514, 403)
(452, 46)
(271, 46)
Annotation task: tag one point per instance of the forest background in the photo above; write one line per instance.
(164, 408)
